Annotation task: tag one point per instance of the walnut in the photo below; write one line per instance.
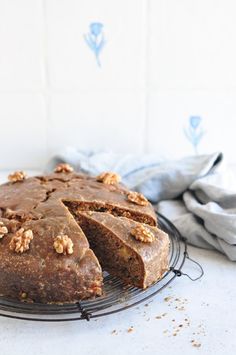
(63, 168)
(20, 242)
(137, 198)
(23, 295)
(143, 234)
(17, 176)
(108, 178)
(96, 288)
(3, 230)
(25, 298)
(63, 244)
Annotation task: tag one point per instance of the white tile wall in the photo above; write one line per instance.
(163, 61)
(23, 131)
(21, 45)
(170, 110)
(192, 44)
(72, 63)
(98, 120)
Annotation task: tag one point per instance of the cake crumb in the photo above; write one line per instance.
(167, 299)
(158, 317)
(196, 345)
(130, 330)
(181, 308)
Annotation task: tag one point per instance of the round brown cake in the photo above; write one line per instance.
(59, 232)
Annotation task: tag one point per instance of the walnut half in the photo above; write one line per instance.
(108, 178)
(142, 234)
(63, 244)
(3, 230)
(137, 198)
(17, 176)
(63, 168)
(20, 242)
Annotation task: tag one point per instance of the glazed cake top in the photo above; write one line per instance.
(37, 228)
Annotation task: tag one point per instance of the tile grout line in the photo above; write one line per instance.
(147, 44)
(75, 90)
(47, 91)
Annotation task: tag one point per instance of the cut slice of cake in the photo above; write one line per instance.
(135, 252)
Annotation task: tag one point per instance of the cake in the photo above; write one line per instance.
(59, 232)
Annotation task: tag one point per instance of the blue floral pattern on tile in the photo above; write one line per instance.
(194, 132)
(95, 39)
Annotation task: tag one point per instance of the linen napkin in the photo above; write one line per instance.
(197, 193)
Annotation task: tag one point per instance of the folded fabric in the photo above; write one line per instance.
(196, 193)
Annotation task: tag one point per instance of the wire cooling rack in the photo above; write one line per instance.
(117, 296)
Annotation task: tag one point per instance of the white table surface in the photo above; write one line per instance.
(206, 309)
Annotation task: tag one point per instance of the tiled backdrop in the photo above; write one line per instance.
(168, 71)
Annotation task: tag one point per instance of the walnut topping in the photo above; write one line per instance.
(23, 295)
(3, 230)
(63, 244)
(96, 288)
(17, 176)
(108, 178)
(143, 234)
(137, 198)
(63, 168)
(20, 242)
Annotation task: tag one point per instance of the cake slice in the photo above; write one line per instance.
(135, 252)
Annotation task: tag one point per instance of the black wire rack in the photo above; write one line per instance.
(117, 296)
